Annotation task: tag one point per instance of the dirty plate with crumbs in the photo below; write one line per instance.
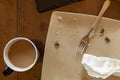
(65, 31)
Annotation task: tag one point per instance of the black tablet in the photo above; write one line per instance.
(45, 5)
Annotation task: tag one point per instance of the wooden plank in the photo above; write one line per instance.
(34, 25)
(8, 30)
(29, 25)
(114, 10)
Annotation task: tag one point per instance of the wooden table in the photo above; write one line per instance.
(21, 18)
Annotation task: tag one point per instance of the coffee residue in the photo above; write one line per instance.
(107, 40)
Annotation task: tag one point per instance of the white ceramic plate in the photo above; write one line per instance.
(64, 34)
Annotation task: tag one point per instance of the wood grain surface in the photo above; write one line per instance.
(21, 18)
(8, 30)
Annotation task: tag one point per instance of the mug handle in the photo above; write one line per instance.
(7, 71)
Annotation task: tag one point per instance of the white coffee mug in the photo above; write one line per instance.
(12, 67)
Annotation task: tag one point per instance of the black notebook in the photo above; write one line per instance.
(46, 5)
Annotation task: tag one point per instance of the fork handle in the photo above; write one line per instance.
(104, 8)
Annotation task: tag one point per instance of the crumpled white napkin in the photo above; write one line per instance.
(101, 67)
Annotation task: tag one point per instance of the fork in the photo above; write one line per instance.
(85, 40)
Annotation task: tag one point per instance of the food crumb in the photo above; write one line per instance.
(75, 19)
(107, 40)
(57, 33)
(102, 32)
(57, 45)
(59, 18)
(60, 27)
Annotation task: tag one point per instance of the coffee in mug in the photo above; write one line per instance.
(20, 54)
